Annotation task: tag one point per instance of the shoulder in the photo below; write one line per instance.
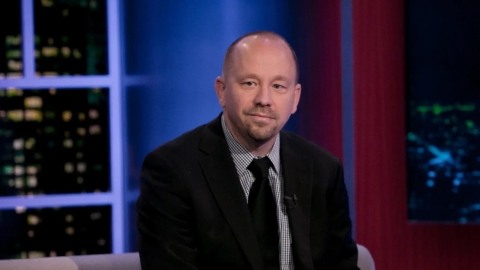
(307, 149)
(182, 145)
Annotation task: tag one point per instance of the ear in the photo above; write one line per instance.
(220, 90)
(298, 91)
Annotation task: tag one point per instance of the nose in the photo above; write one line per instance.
(263, 96)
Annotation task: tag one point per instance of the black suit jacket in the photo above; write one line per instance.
(193, 214)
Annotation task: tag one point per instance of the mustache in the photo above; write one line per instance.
(264, 111)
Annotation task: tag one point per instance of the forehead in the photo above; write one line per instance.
(263, 54)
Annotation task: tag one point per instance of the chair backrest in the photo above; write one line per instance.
(127, 261)
(365, 259)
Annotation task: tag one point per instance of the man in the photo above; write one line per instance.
(239, 193)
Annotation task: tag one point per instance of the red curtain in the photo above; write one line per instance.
(320, 110)
(380, 166)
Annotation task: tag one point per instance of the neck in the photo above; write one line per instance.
(259, 149)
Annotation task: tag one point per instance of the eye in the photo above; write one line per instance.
(249, 83)
(278, 86)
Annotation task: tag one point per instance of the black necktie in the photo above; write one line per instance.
(263, 210)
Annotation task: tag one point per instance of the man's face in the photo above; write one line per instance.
(258, 93)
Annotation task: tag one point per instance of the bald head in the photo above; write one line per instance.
(244, 40)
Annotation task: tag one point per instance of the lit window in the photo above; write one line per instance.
(16, 115)
(14, 92)
(68, 143)
(101, 242)
(19, 158)
(32, 170)
(47, 3)
(15, 65)
(29, 143)
(50, 73)
(32, 181)
(20, 209)
(33, 115)
(7, 169)
(19, 170)
(33, 102)
(14, 54)
(68, 218)
(68, 167)
(50, 51)
(13, 40)
(18, 144)
(95, 129)
(81, 131)
(14, 74)
(19, 182)
(77, 54)
(93, 114)
(36, 254)
(81, 167)
(66, 51)
(33, 220)
(95, 215)
(69, 230)
(66, 116)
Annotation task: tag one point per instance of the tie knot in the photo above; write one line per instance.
(259, 167)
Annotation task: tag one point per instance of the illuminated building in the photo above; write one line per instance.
(50, 232)
(60, 142)
(70, 37)
(53, 141)
(11, 65)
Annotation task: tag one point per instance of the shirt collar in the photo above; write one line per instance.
(242, 157)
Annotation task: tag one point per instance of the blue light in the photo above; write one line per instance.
(430, 183)
(432, 174)
(456, 182)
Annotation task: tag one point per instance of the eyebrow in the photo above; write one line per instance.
(251, 75)
(280, 78)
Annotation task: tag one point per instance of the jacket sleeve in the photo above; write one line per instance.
(343, 249)
(164, 217)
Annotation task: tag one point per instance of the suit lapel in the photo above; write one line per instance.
(297, 177)
(224, 183)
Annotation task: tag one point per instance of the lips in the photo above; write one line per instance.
(261, 116)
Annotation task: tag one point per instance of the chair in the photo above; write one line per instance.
(126, 261)
(365, 259)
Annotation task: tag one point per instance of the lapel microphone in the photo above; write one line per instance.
(290, 201)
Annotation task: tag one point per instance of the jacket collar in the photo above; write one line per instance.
(222, 177)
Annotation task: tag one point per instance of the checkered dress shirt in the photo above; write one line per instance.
(242, 158)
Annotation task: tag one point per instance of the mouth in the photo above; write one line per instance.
(261, 118)
(259, 115)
